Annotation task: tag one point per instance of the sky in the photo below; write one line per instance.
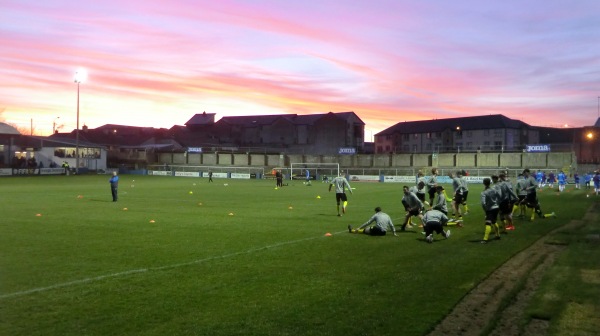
(156, 63)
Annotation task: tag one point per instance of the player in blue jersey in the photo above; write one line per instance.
(562, 181)
(577, 180)
(539, 178)
(587, 178)
(551, 180)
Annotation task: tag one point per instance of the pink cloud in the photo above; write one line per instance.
(388, 61)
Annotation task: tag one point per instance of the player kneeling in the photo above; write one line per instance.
(434, 220)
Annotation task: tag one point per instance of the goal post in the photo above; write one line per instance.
(317, 171)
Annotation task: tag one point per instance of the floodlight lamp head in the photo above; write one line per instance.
(80, 76)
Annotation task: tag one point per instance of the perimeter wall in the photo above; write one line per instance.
(563, 160)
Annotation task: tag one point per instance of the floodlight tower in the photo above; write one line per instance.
(80, 77)
(54, 125)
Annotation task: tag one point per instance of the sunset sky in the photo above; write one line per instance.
(157, 63)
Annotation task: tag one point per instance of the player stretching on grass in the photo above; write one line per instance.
(341, 184)
(507, 199)
(433, 221)
(441, 204)
(522, 195)
(383, 222)
(465, 185)
(490, 204)
(457, 196)
(531, 199)
(431, 184)
(412, 205)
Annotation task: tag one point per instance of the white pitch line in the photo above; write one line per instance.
(143, 270)
(71, 283)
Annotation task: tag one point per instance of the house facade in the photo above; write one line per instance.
(317, 134)
(291, 133)
(466, 134)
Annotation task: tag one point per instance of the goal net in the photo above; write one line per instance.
(316, 171)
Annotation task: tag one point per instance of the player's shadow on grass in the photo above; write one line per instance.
(478, 241)
(422, 239)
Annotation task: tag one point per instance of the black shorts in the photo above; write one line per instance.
(431, 227)
(421, 197)
(521, 198)
(491, 216)
(376, 231)
(458, 198)
(414, 212)
(431, 193)
(505, 207)
(340, 197)
(465, 195)
(531, 200)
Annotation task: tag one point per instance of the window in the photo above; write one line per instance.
(486, 132)
(405, 136)
(459, 135)
(429, 135)
(438, 135)
(498, 132)
(486, 145)
(428, 147)
(497, 145)
(469, 134)
(469, 145)
(415, 136)
(414, 148)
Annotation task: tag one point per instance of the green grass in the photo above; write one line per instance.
(569, 294)
(88, 267)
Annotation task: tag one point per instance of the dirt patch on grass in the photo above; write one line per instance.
(496, 306)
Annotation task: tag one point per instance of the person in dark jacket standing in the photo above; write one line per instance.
(114, 185)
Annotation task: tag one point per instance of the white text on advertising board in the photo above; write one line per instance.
(194, 150)
(538, 148)
(347, 150)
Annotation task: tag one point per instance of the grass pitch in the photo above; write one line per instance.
(236, 259)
